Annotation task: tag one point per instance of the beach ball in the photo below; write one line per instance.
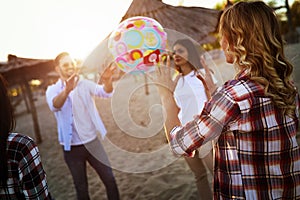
(137, 43)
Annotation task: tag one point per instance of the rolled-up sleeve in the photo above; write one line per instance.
(100, 92)
(51, 93)
(96, 89)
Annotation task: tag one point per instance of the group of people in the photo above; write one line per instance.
(243, 132)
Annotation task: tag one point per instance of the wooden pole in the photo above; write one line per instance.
(146, 85)
(24, 96)
(36, 127)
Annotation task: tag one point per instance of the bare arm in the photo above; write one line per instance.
(171, 110)
(166, 87)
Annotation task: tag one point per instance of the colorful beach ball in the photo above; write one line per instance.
(137, 43)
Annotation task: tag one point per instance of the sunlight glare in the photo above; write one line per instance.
(42, 29)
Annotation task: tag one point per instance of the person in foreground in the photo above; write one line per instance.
(190, 93)
(78, 121)
(21, 171)
(253, 118)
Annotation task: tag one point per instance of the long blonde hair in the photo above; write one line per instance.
(255, 42)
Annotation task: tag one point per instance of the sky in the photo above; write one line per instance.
(43, 28)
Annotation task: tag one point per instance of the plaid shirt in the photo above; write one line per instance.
(26, 176)
(256, 152)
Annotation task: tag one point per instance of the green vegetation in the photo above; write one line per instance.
(289, 18)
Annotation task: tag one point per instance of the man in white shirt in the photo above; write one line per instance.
(78, 122)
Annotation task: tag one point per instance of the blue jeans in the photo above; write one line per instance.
(94, 153)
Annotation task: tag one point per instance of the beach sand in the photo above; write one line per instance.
(144, 167)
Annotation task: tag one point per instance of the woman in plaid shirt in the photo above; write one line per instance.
(21, 172)
(253, 118)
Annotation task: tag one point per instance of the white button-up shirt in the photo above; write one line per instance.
(78, 119)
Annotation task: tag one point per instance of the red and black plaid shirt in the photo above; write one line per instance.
(256, 152)
(26, 176)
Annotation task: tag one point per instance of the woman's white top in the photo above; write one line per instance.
(190, 97)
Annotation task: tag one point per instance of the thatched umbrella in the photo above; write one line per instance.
(194, 22)
(18, 72)
(17, 68)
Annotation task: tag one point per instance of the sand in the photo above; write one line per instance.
(143, 166)
(142, 163)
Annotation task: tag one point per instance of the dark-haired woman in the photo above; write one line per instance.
(21, 171)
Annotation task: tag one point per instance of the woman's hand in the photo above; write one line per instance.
(166, 87)
(208, 76)
(164, 82)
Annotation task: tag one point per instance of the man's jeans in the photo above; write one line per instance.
(94, 153)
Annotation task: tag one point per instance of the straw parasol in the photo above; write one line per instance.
(194, 22)
(19, 72)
